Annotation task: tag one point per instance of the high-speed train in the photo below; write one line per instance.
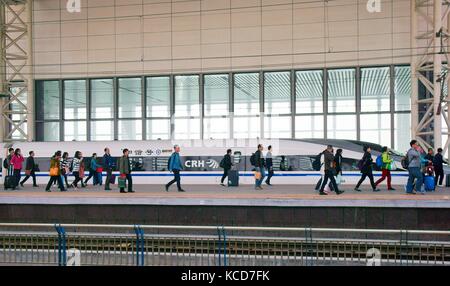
(292, 158)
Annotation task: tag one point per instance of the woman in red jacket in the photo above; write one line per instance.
(16, 161)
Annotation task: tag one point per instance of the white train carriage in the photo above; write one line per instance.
(200, 158)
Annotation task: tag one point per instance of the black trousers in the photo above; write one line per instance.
(225, 174)
(77, 179)
(329, 175)
(363, 177)
(56, 179)
(177, 179)
(33, 175)
(91, 174)
(108, 177)
(129, 182)
(269, 175)
(438, 175)
(16, 175)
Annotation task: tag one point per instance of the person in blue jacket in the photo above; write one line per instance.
(93, 170)
(175, 167)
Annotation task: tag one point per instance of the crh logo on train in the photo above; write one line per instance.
(211, 163)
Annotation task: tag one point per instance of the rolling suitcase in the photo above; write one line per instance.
(233, 178)
(429, 183)
(10, 180)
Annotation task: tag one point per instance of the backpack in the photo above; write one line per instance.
(316, 163)
(405, 162)
(379, 161)
(5, 163)
(361, 164)
(253, 159)
(222, 163)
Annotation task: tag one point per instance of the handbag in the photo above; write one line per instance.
(257, 175)
(54, 171)
(122, 182)
(99, 169)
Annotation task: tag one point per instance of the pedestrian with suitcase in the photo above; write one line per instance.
(257, 160)
(17, 161)
(226, 164)
(125, 172)
(30, 169)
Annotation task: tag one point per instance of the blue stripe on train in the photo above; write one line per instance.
(241, 175)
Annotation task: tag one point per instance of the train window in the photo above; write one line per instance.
(237, 157)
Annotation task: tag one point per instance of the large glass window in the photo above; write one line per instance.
(246, 94)
(277, 127)
(402, 131)
(75, 99)
(402, 88)
(130, 100)
(187, 96)
(309, 126)
(376, 128)
(341, 127)
(216, 128)
(187, 128)
(49, 101)
(341, 91)
(75, 131)
(158, 96)
(277, 93)
(375, 89)
(130, 130)
(309, 92)
(102, 98)
(216, 94)
(51, 131)
(102, 130)
(246, 127)
(158, 129)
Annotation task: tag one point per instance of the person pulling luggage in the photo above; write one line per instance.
(226, 164)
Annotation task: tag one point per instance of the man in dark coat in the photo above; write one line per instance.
(226, 164)
(366, 169)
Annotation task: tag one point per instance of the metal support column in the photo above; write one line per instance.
(428, 102)
(16, 76)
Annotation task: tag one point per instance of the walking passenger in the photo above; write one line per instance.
(7, 161)
(175, 167)
(76, 169)
(438, 164)
(226, 164)
(93, 170)
(125, 171)
(414, 164)
(385, 168)
(338, 166)
(329, 171)
(16, 161)
(366, 169)
(65, 170)
(108, 165)
(259, 166)
(269, 165)
(55, 172)
(30, 168)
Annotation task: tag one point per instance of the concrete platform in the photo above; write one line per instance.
(209, 195)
